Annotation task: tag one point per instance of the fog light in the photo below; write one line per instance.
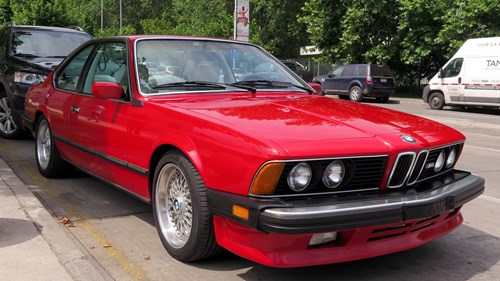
(322, 238)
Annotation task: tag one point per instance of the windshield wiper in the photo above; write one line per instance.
(55, 57)
(272, 83)
(203, 84)
(190, 84)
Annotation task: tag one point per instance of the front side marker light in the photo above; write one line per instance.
(241, 212)
(267, 178)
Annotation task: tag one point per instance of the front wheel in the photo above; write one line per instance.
(355, 94)
(436, 101)
(8, 127)
(48, 159)
(180, 209)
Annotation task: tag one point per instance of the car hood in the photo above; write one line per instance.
(43, 65)
(304, 118)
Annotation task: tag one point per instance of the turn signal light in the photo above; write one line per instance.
(241, 212)
(266, 179)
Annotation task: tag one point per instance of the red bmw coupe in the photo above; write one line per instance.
(256, 163)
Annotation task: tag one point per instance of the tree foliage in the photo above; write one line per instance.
(414, 37)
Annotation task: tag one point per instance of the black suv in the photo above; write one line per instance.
(27, 55)
(355, 81)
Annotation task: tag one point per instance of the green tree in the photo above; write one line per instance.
(5, 12)
(40, 12)
(275, 26)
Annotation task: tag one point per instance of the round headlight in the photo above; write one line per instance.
(439, 162)
(334, 174)
(299, 177)
(451, 158)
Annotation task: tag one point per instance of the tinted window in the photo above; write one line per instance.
(46, 43)
(362, 70)
(453, 68)
(337, 71)
(380, 70)
(348, 70)
(68, 78)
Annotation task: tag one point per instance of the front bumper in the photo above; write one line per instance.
(342, 212)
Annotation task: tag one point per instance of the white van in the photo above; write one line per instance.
(470, 78)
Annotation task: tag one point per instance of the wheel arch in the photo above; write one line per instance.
(355, 83)
(435, 91)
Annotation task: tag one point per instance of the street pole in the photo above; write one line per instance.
(120, 17)
(234, 18)
(102, 15)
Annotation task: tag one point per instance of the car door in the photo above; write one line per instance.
(329, 85)
(343, 82)
(61, 118)
(451, 81)
(100, 125)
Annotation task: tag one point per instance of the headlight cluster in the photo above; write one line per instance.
(300, 176)
(28, 78)
(446, 159)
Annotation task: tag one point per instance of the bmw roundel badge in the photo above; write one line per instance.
(408, 139)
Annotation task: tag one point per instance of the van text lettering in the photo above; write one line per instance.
(490, 63)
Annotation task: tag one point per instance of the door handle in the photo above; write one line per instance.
(459, 80)
(75, 109)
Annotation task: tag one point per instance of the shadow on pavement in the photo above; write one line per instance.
(16, 231)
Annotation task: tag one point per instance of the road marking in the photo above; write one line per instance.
(482, 148)
(490, 198)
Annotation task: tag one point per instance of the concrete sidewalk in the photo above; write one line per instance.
(33, 244)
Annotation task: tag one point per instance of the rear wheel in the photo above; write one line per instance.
(436, 101)
(48, 159)
(8, 127)
(355, 94)
(180, 210)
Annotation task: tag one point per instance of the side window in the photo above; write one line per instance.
(453, 68)
(69, 77)
(337, 71)
(348, 71)
(108, 65)
(362, 70)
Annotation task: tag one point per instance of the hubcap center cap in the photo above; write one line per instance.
(177, 205)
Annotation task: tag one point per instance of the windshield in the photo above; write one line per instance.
(46, 43)
(172, 65)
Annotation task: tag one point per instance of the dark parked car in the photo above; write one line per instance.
(27, 55)
(355, 81)
(299, 69)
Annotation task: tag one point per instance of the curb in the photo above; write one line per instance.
(79, 265)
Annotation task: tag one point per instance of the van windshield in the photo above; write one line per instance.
(46, 43)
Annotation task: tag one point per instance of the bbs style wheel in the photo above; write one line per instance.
(180, 209)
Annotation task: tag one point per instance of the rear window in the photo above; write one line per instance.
(380, 70)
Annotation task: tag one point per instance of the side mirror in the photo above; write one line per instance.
(441, 73)
(330, 75)
(316, 87)
(107, 90)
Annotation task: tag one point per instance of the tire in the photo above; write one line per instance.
(436, 101)
(8, 127)
(355, 94)
(49, 161)
(383, 99)
(180, 209)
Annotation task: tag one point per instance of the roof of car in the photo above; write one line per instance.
(51, 28)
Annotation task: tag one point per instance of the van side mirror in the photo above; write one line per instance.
(441, 73)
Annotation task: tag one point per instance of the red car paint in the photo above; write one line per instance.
(228, 135)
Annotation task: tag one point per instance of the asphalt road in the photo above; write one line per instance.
(119, 234)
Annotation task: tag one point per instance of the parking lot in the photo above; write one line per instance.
(116, 232)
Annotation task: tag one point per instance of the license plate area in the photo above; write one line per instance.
(425, 211)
